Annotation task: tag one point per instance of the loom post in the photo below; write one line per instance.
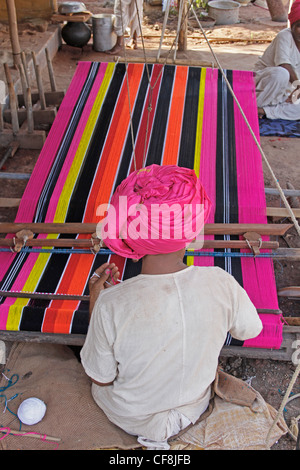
(23, 80)
(50, 71)
(182, 33)
(39, 81)
(23, 59)
(12, 100)
(9, 153)
(30, 121)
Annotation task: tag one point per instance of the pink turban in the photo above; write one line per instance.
(158, 209)
(294, 14)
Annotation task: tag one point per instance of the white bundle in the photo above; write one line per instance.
(31, 411)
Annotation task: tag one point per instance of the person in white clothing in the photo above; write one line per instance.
(128, 14)
(277, 73)
(154, 340)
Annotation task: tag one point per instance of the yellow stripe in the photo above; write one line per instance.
(197, 155)
(198, 143)
(65, 196)
(15, 311)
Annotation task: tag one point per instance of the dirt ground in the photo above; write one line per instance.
(245, 42)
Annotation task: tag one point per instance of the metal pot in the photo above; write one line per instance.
(71, 7)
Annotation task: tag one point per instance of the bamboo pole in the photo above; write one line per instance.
(13, 30)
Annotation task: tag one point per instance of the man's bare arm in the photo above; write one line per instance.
(290, 69)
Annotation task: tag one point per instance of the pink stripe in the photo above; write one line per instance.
(257, 273)
(47, 156)
(41, 170)
(207, 172)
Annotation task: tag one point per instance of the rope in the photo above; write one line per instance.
(283, 403)
(151, 87)
(282, 195)
(128, 92)
(285, 201)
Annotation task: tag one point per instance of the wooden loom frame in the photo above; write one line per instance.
(251, 233)
(250, 237)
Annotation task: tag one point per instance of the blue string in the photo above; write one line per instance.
(11, 382)
(216, 254)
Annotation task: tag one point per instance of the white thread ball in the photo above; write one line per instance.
(31, 411)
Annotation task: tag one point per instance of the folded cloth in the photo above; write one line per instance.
(158, 209)
(237, 418)
(279, 127)
(233, 390)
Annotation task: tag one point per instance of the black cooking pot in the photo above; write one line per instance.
(76, 34)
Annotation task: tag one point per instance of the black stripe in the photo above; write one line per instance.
(32, 318)
(80, 194)
(156, 144)
(57, 262)
(63, 150)
(52, 177)
(233, 183)
(155, 149)
(137, 115)
(219, 209)
(189, 124)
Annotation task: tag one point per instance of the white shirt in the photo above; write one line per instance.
(282, 50)
(158, 337)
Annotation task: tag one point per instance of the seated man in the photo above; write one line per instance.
(278, 73)
(154, 340)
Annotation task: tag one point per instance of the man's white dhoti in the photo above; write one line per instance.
(273, 87)
(129, 14)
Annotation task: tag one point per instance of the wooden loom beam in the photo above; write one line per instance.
(24, 236)
(81, 243)
(290, 334)
(90, 228)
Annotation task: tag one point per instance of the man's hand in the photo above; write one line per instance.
(103, 278)
(295, 95)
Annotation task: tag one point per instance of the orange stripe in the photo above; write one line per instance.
(175, 117)
(79, 266)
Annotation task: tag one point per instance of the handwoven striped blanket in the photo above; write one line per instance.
(175, 115)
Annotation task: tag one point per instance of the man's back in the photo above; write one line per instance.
(158, 337)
